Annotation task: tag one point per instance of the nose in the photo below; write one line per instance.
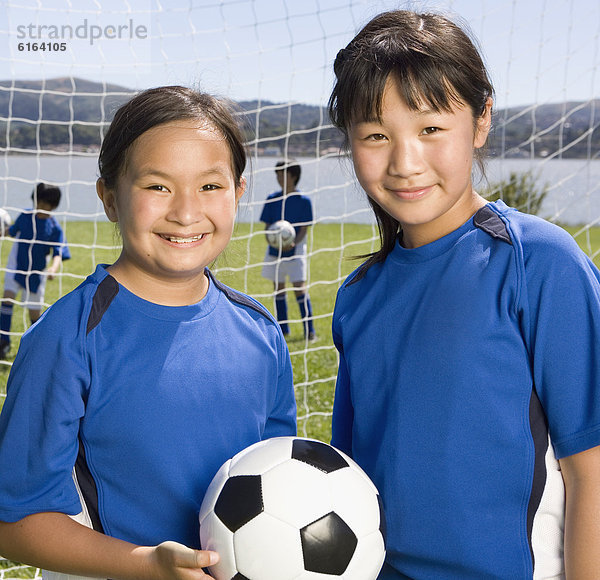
(406, 158)
(185, 208)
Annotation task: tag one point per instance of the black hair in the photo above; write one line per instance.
(434, 63)
(163, 105)
(49, 194)
(292, 167)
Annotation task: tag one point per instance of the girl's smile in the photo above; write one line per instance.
(412, 193)
(179, 240)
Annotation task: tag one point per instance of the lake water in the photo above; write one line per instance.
(574, 196)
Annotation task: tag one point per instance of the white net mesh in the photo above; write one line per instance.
(65, 66)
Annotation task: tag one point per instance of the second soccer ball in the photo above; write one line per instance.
(281, 235)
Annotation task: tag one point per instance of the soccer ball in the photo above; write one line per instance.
(281, 235)
(290, 508)
(5, 222)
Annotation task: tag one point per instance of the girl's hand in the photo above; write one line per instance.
(176, 561)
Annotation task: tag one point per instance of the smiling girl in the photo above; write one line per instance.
(132, 390)
(469, 378)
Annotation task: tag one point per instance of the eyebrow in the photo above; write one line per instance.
(418, 112)
(422, 112)
(206, 173)
(440, 112)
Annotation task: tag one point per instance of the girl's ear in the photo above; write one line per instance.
(107, 196)
(484, 124)
(239, 190)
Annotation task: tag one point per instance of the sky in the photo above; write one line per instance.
(537, 51)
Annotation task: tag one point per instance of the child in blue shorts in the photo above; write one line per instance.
(469, 376)
(282, 263)
(37, 234)
(131, 391)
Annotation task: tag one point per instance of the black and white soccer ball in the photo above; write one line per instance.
(290, 508)
(281, 235)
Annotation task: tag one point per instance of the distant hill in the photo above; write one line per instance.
(569, 130)
(80, 103)
(83, 109)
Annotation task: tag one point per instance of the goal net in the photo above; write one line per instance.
(66, 66)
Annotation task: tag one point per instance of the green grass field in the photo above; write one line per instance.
(315, 364)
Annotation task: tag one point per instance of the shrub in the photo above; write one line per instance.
(520, 190)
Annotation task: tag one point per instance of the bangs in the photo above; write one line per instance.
(425, 88)
(421, 85)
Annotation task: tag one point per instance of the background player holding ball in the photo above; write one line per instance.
(289, 261)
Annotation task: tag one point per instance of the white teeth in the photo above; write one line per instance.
(177, 240)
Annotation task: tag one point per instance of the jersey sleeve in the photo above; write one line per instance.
(39, 423)
(17, 225)
(307, 211)
(300, 212)
(563, 315)
(266, 214)
(60, 247)
(282, 420)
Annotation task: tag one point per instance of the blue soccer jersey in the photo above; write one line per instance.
(294, 207)
(124, 410)
(36, 238)
(468, 366)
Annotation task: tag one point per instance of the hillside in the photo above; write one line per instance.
(77, 111)
(572, 128)
(79, 106)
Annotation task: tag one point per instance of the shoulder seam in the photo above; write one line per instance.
(239, 298)
(487, 220)
(521, 293)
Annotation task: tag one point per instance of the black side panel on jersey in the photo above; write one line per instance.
(87, 485)
(539, 432)
(105, 293)
(491, 223)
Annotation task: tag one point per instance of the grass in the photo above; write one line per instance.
(13, 570)
(315, 364)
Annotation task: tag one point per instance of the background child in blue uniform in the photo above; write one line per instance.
(289, 204)
(469, 377)
(38, 235)
(124, 399)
